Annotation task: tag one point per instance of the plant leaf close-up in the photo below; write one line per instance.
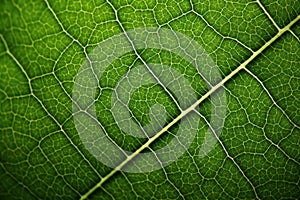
(158, 99)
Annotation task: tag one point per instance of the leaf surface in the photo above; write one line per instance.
(255, 45)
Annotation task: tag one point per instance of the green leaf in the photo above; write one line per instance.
(255, 46)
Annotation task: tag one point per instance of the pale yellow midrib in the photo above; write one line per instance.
(185, 112)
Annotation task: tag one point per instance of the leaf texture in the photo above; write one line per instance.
(254, 44)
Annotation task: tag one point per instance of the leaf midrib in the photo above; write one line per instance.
(192, 107)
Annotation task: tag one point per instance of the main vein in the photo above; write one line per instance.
(191, 108)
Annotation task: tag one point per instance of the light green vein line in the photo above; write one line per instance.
(19, 182)
(294, 34)
(268, 15)
(228, 154)
(191, 108)
(11, 55)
